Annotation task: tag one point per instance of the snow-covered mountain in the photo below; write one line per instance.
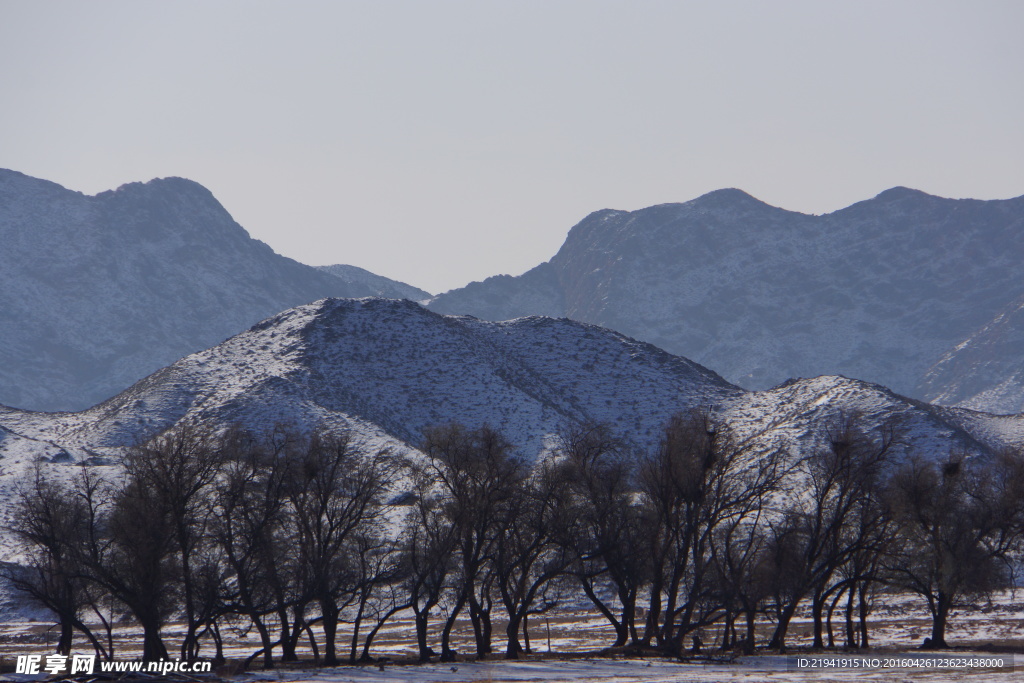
(882, 290)
(388, 369)
(986, 371)
(96, 292)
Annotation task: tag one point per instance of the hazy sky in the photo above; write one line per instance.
(443, 142)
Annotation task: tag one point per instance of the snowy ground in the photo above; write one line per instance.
(565, 644)
(747, 670)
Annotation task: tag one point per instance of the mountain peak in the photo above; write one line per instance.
(172, 186)
(102, 290)
(900, 193)
(879, 290)
(728, 198)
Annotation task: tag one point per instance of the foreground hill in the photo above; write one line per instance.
(882, 290)
(97, 292)
(388, 369)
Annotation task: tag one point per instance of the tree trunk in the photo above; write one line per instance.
(816, 606)
(628, 621)
(67, 632)
(288, 639)
(421, 635)
(153, 648)
(621, 629)
(481, 619)
(513, 650)
(365, 656)
(939, 618)
(268, 647)
(728, 630)
(828, 619)
(487, 628)
(652, 630)
(851, 636)
(312, 640)
(218, 643)
(355, 633)
(750, 643)
(778, 641)
(330, 621)
(863, 615)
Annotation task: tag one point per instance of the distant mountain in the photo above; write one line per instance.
(96, 292)
(375, 285)
(882, 290)
(986, 371)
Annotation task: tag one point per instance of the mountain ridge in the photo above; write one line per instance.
(881, 289)
(99, 291)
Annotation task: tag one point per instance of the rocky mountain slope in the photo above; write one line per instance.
(96, 292)
(882, 290)
(986, 371)
(388, 369)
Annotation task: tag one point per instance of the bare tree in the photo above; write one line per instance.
(379, 591)
(53, 523)
(528, 556)
(700, 481)
(146, 531)
(817, 534)
(248, 526)
(427, 543)
(741, 571)
(606, 537)
(334, 490)
(959, 524)
(474, 473)
(173, 474)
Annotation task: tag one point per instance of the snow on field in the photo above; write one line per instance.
(750, 670)
(565, 646)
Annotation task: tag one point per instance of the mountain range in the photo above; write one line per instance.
(920, 293)
(96, 292)
(388, 369)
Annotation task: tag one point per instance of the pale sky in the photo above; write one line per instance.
(442, 142)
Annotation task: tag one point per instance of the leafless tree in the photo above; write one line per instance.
(960, 523)
(249, 527)
(146, 530)
(818, 534)
(528, 556)
(427, 544)
(606, 539)
(700, 481)
(334, 490)
(474, 473)
(172, 474)
(52, 521)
